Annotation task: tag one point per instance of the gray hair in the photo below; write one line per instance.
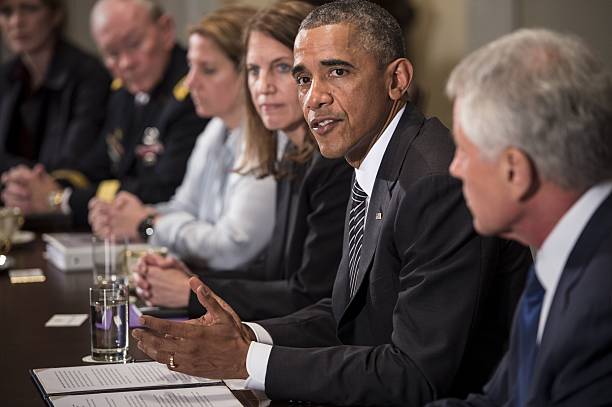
(545, 93)
(381, 33)
(153, 8)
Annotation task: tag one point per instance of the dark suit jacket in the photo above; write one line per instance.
(115, 155)
(434, 301)
(306, 247)
(574, 362)
(72, 95)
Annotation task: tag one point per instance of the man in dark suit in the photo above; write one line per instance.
(543, 177)
(151, 125)
(420, 304)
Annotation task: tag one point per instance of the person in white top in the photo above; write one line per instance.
(421, 305)
(218, 218)
(532, 124)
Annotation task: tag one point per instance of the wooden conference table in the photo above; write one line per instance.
(25, 343)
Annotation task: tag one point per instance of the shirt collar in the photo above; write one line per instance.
(552, 256)
(233, 137)
(367, 171)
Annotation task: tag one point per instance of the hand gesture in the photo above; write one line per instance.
(213, 346)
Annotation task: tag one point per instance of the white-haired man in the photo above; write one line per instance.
(532, 114)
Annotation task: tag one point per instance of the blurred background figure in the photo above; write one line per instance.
(312, 191)
(150, 126)
(52, 94)
(218, 218)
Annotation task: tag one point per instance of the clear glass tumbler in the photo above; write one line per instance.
(109, 307)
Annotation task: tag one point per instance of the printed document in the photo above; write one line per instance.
(218, 396)
(99, 378)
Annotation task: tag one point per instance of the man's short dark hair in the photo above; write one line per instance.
(381, 33)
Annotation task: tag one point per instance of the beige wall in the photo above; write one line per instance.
(444, 31)
(437, 43)
(78, 22)
(590, 19)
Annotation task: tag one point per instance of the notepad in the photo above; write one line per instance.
(22, 276)
(66, 320)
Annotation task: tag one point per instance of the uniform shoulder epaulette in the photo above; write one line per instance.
(74, 178)
(116, 84)
(180, 91)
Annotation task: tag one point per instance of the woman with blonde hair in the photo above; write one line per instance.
(218, 219)
(312, 192)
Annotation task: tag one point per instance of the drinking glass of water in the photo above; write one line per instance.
(109, 261)
(109, 304)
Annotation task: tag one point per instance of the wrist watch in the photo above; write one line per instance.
(146, 228)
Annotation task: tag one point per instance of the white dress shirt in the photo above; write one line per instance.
(259, 352)
(552, 256)
(217, 217)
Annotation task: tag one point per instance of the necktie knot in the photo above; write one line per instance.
(534, 291)
(358, 195)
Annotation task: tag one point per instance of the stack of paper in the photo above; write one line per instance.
(69, 251)
(73, 251)
(131, 384)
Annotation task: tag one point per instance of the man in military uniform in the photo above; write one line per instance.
(151, 125)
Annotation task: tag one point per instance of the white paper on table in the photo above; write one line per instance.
(240, 384)
(63, 380)
(235, 384)
(64, 320)
(218, 396)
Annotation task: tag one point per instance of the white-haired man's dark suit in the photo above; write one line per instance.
(573, 366)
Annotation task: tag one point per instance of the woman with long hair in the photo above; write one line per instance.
(312, 192)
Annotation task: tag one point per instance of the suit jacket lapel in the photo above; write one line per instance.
(597, 227)
(381, 195)
(386, 178)
(276, 254)
(340, 293)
